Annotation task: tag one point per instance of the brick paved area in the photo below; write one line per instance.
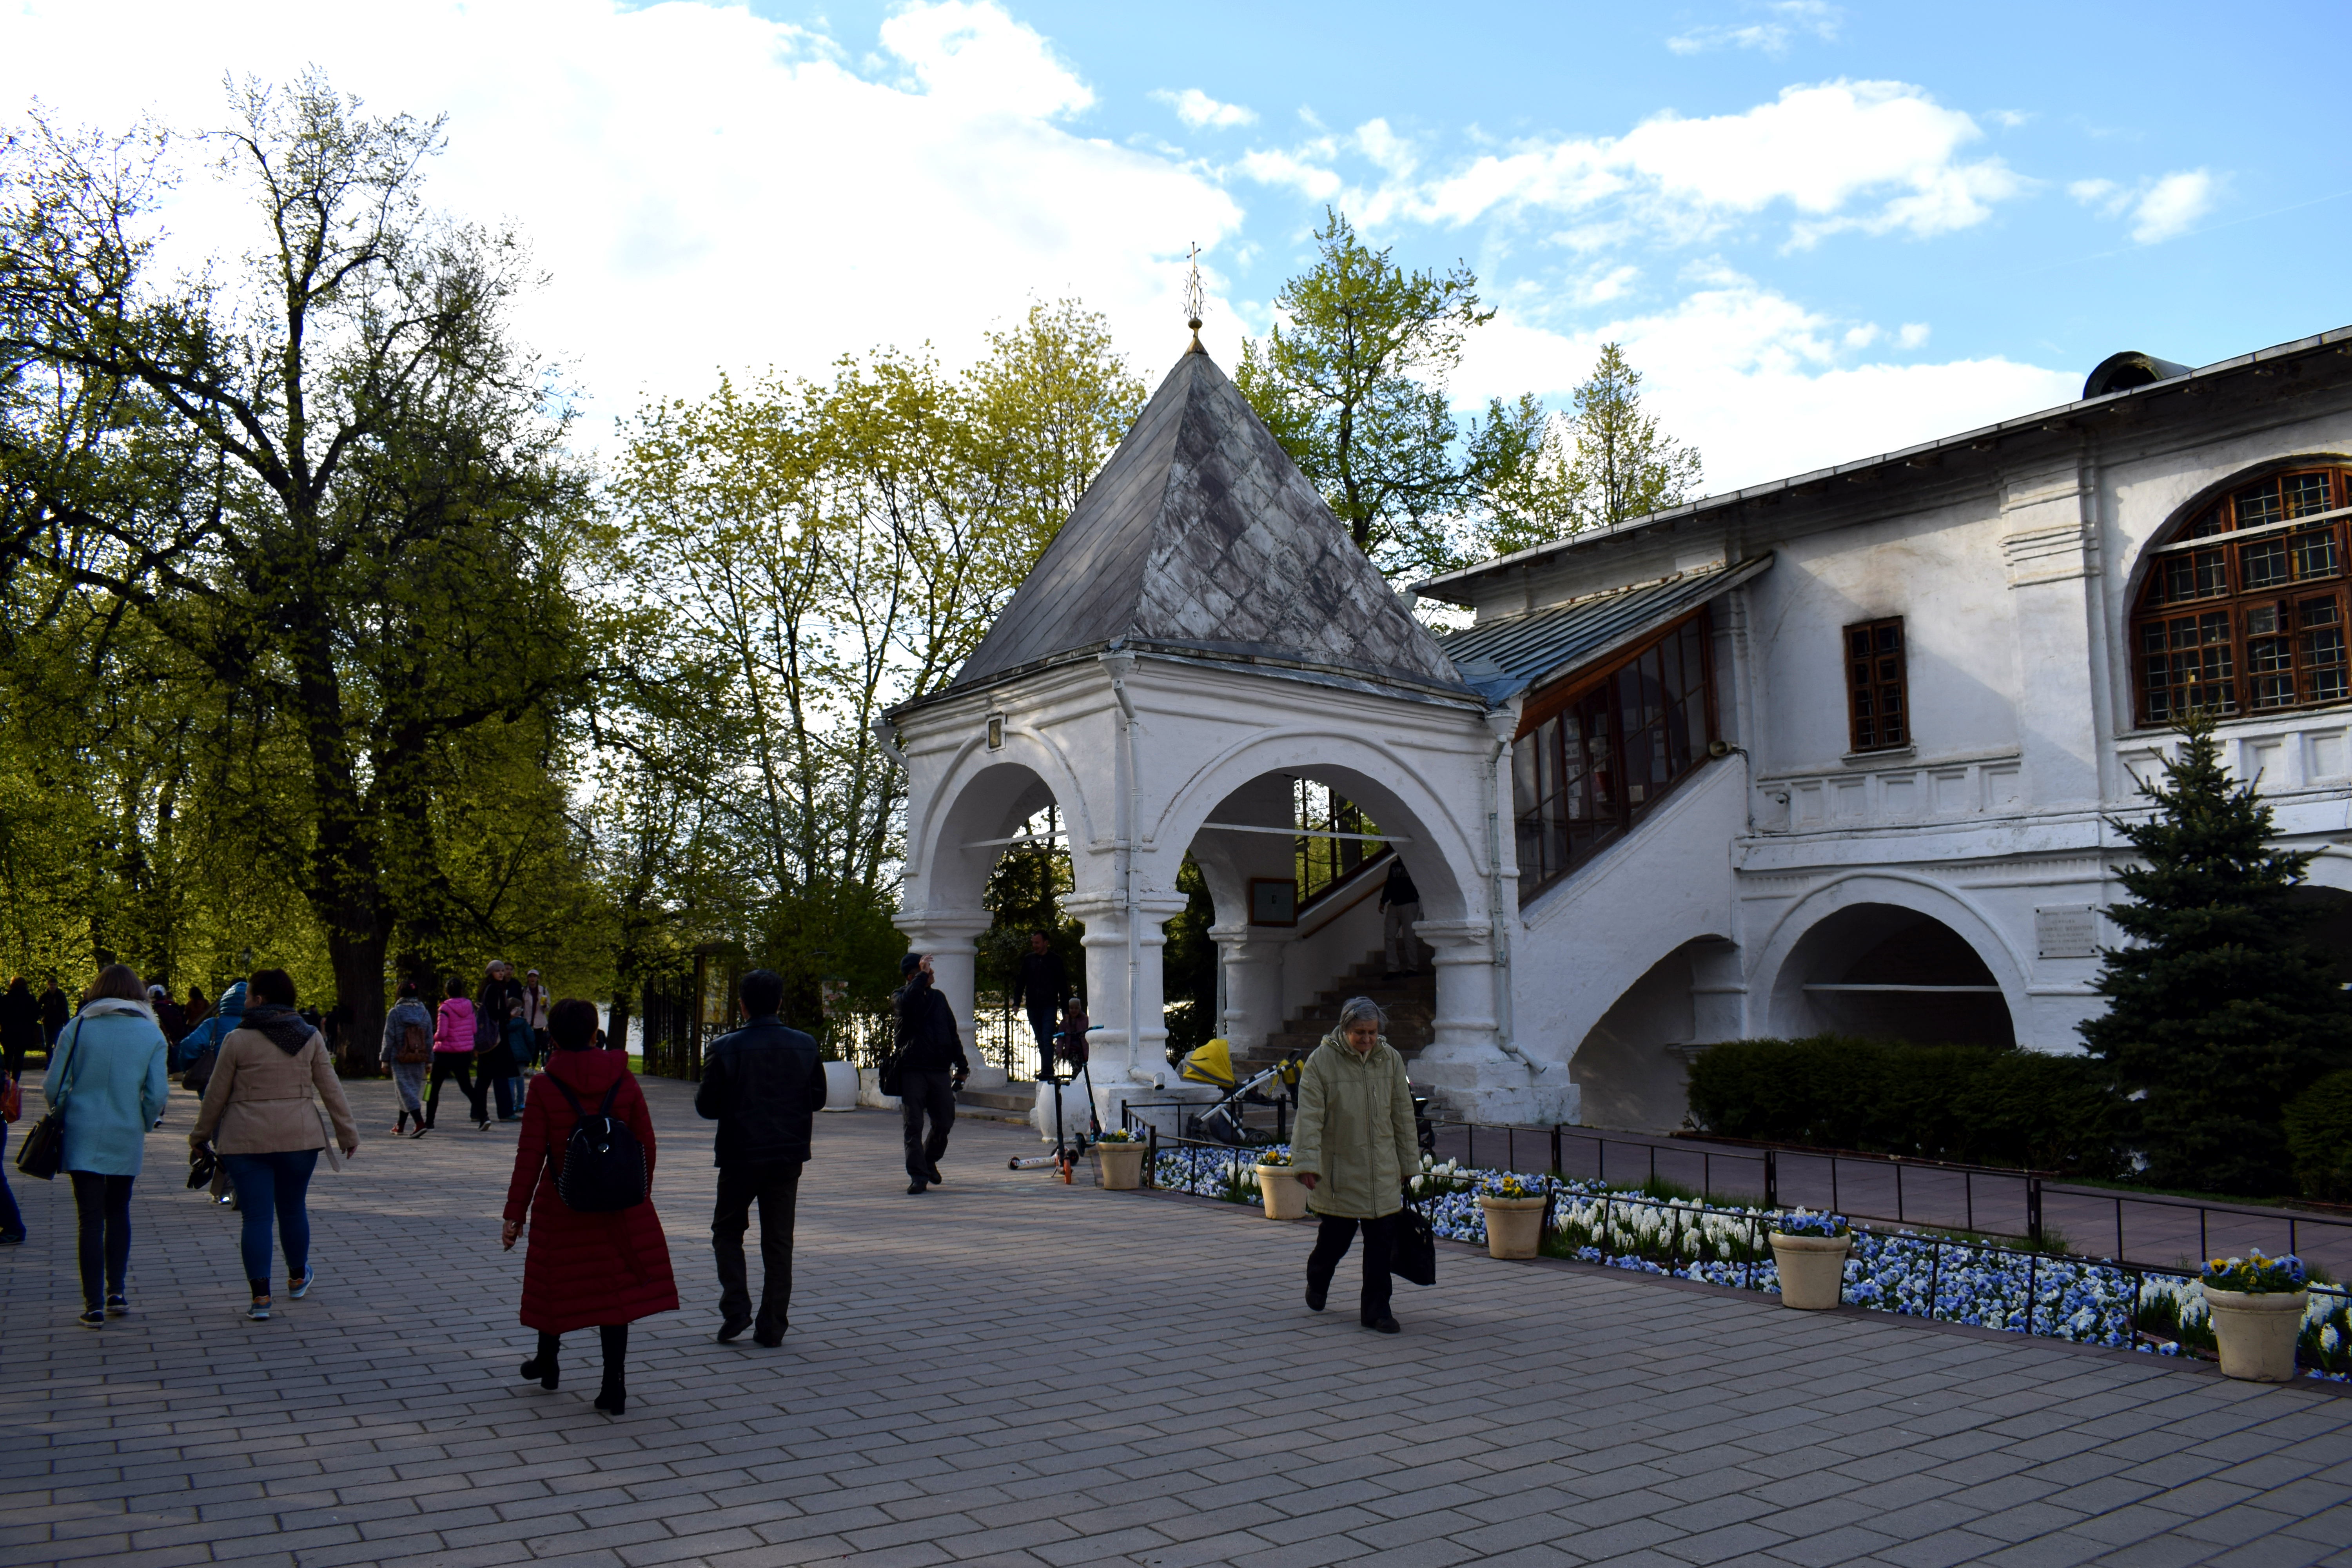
(1010, 1371)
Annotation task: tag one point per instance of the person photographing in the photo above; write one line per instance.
(931, 1067)
(1354, 1147)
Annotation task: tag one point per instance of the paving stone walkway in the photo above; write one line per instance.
(1006, 1371)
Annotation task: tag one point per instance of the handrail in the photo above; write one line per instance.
(1339, 884)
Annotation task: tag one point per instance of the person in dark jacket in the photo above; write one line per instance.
(931, 1067)
(500, 1004)
(1399, 911)
(54, 1011)
(20, 1025)
(1041, 987)
(763, 1085)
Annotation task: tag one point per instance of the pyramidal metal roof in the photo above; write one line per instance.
(1202, 538)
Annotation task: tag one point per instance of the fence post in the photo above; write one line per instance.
(1152, 1159)
(1556, 1168)
(1936, 1280)
(2034, 1209)
(1771, 1178)
(2032, 1280)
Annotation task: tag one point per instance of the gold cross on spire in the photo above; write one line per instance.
(1193, 297)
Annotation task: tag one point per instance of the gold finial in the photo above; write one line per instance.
(1193, 298)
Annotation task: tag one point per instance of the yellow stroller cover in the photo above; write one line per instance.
(1212, 1063)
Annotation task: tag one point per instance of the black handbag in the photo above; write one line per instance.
(890, 1078)
(43, 1153)
(202, 1165)
(1414, 1255)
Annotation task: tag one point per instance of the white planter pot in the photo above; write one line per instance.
(1278, 1190)
(2257, 1332)
(1812, 1270)
(870, 1090)
(841, 1086)
(1121, 1165)
(1514, 1226)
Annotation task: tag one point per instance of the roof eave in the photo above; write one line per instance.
(1438, 587)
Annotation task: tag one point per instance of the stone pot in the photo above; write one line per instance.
(1514, 1226)
(1278, 1189)
(1121, 1165)
(1812, 1270)
(2257, 1332)
(841, 1086)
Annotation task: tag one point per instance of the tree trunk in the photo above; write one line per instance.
(616, 1022)
(359, 985)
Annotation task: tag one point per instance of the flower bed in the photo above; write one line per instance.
(1958, 1281)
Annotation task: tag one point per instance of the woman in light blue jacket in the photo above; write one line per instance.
(107, 1079)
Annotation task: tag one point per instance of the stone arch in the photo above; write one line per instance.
(1444, 855)
(1886, 928)
(987, 796)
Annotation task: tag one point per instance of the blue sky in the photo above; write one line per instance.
(1823, 231)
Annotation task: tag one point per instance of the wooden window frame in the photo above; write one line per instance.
(1869, 684)
(1541, 769)
(2244, 610)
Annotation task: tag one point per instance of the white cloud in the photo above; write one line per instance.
(1875, 157)
(708, 188)
(2160, 209)
(1863, 336)
(1759, 384)
(1913, 335)
(2172, 206)
(1197, 108)
(1787, 19)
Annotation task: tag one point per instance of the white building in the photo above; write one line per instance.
(1833, 753)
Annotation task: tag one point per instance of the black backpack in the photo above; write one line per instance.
(603, 1164)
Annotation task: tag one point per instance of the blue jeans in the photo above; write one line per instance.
(273, 1186)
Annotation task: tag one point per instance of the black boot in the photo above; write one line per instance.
(542, 1365)
(613, 1398)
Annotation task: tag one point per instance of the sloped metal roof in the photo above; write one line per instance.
(1202, 537)
(1508, 655)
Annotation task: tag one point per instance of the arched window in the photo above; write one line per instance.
(2244, 611)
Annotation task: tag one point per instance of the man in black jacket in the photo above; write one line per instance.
(931, 1067)
(1043, 984)
(762, 1085)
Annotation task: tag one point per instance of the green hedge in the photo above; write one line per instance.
(2320, 1138)
(1973, 1104)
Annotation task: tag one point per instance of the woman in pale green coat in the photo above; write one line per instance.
(1354, 1150)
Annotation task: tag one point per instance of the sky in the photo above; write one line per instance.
(1821, 232)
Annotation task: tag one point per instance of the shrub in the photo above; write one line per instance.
(1972, 1104)
(2320, 1138)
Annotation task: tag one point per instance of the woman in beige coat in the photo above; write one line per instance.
(260, 1116)
(1354, 1149)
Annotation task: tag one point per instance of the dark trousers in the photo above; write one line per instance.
(12, 1219)
(458, 1065)
(776, 1189)
(102, 1205)
(616, 1350)
(1045, 1024)
(273, 1187)
(1331, 1239)
(507, 1090)
(924, 1094)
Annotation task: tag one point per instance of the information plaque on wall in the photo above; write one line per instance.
(2071, 930)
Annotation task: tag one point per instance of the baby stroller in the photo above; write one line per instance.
(1212, 1064)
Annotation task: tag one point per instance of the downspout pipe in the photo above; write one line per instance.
(1503, 723)
(1120, 664)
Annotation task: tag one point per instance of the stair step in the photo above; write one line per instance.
(1016, 1097)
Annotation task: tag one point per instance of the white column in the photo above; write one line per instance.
(1251, 964)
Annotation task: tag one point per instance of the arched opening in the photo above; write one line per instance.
(2330, 934)
(1631, 1068)
(1890, 972)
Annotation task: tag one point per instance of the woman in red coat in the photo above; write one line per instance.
(582, 1269)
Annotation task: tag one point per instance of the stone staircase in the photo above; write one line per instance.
(1410, 1002)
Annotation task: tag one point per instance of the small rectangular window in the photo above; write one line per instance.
(1877, 713)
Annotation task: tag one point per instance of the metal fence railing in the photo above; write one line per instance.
(1000, 1040)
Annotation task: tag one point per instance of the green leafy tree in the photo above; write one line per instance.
(320, 492)
(1352, 382)
(1626, 466)
(2217, 1013)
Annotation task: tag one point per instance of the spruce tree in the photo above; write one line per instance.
(2218, 1011)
